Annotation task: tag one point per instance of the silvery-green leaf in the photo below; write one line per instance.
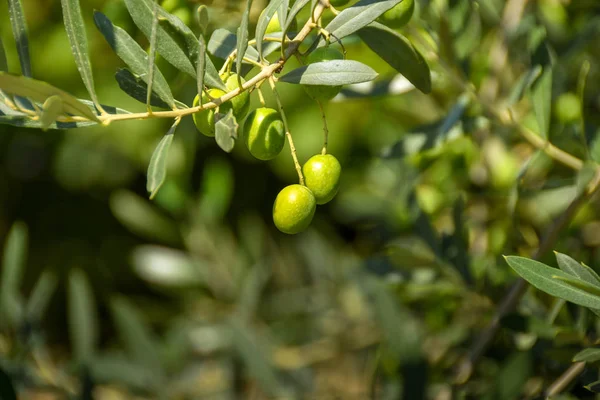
(83, 322)
(202, 18)
(226, 131)
(75, 28)
(263, 21)
(296, 8)
(357, 16)
(399, 53)
(222, 43)
(157, 168)
(3, 61)
(242, 37)
(331, 73)
(152, 54)
(201, 65)
(19, 30)
(133, 55)
(135, 87)
(541, 94)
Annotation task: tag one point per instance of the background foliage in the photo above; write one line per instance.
(196, 295)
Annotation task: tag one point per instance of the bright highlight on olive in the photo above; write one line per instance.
(264, 133)
(294, 209)
(322, 176)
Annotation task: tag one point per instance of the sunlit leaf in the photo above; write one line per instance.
(83, 322)
(222, 43)
(3, 61)
(296, 8)
(226, 131)
(587, 355)
(399, 53)
(570, 266)
(523, 84)
(53, 107)
(242, 38)
(157, 168)
(263, 21)
(75, 28)
(357, 16)
(152, 53)
(133, 55)
(541, 94)
(201, 65)
(331, 73)
(40, 91)
(19, 30)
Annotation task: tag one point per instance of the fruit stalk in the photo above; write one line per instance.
(325, 129)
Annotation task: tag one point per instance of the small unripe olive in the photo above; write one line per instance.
(338, 3)
(567, 108)
(264, 133)
(294, 209)
(205, 119)
(241, 102)
(275, 26)
(399, 15)
(322, 92)
(322, 176)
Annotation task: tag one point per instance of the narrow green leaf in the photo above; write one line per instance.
(331, 73)
(242, 39)
(470, 37)
(282, 12)
(141, 13)
(222, 43)
(135, 87)
(79, 46)
(83, 322)
(523, 84)
(579, 284)
(136, 337)
(357, 16)
(40, 91)
(593, 387)
(108, 109)
(52, 108)
(133, 55)
(19, 30)
(253, 355)
(570, 266)
(541, 94)
(263, 21)
(581, 80)
(202, 18)
(25, 121)
(399, 53)
(40, 297)
(226, 131)
(13, 268)
(544, 278)
(157, 169)
(3, 61)
(587, 355)
(200, 66)
(152, 56)
(296, 8)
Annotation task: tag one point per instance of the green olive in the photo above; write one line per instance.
(294, 209)
(241, 102)
(264, 133)
(169, 5)
(275, 26)
(322, 92)
(322, 176)
(567, 108)
(205, 119)
(399, 15)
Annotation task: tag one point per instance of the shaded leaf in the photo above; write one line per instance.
(570, 266)
(541, 94)
(357, 16)
(202, 18)
(83, 322)
(296, 8)
(136, 88)
(470, 37)
(226, 131)
(201, 66)
(593, 387)
(222, 43)
(3, 61)
(25, 121)
(587, 355)
(157, 168)
(19, 30)
(41, 295)
(53, 107)
(152, 53)
(40, 91)
(7, 390)
(242, 38)
(75, 28)
(264, 20)
(544, 278)
(331, 73)
(13, 268)
(399, 53)
(523, 84)
(134, 56)
(141, 13)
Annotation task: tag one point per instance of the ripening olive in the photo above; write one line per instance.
(205, 119)
(294, 209)
(322, 92)
(322, 176)
(399, 15)
(264, 133)
(241, 102)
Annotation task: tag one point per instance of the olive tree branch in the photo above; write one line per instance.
(565, 379)
(265, 73)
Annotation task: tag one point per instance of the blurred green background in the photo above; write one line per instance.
(196, 294)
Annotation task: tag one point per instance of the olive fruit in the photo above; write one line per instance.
(338, 3)
(275, 26)
(205, 119)
(294, 209)
(399, 15)
(322, 176)
(567, 108)
(241, 102)
(264, 133)
(322, 92)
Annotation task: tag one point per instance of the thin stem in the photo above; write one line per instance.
(265, 73)
(325, 129)
(261, 97)
(287, 132)
(565, 379)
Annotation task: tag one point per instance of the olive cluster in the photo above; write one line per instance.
(264, 135)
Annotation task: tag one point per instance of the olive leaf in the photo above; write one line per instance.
(3, 61)
(82, 317)
(263, 21)
(157, 168)
(79, 46)
(202, 18)
(152, 53)
(242, 39)
(587, 355)
(19, 30)
(40, 296)
(201, 66)
(134, 56)
(13, 267)
(222, 43)
(52, 108)
(135, 87)
(541, 93)
(331, 73)
(226, 131)
(399, 53)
